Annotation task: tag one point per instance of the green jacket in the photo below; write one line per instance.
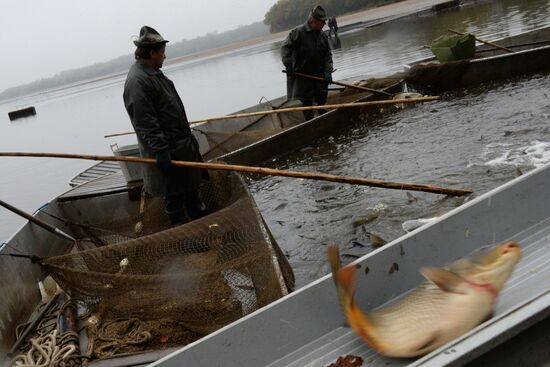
(160, 122)
(306, 51)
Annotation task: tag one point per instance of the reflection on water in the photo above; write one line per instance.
(456, 142)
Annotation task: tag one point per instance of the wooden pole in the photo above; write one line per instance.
(482, 41)
(358, 87)
(308, 108)
(322, 107)
(518, 45)
(48, 227)
(258, 170)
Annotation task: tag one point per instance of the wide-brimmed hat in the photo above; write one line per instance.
(319, 13)
(148, 37)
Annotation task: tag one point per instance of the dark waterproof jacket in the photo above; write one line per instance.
(306, 51)
(158, 116)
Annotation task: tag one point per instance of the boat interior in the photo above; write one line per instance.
(133, 255)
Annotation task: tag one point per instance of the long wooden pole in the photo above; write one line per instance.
(322, 107)
(258, 170)
(358, 87)
(48, 227)
(307, 108)
(482, 41)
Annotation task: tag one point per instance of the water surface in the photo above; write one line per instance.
(475, 138)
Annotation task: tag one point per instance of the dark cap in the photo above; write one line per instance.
(149, 37)
(319, 13)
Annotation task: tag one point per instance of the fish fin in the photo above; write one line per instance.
(344, 278)
(334, 259)
(444, 279)
(345, 281)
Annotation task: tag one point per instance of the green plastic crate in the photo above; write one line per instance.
(455, 47)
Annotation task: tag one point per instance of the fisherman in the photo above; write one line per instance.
(160, 122)
(333, 26)
(306, 50)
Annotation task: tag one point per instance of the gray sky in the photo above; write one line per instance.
(43, 37)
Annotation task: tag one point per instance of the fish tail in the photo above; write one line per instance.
(345, 281)
(344, 278)
(334, 259)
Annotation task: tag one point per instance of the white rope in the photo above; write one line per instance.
(48, 350)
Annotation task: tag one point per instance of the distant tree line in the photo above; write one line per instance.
(286, 14)
(122, 63)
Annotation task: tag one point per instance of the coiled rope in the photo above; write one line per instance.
(49, 347)
(51, 350)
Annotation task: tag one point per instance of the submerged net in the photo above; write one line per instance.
(170, 286)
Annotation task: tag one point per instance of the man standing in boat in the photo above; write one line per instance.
(160, 122)
(333, 26)
(306, 50)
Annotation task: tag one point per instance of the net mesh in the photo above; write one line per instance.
(181, 283)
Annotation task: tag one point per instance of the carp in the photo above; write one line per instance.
(451, 302)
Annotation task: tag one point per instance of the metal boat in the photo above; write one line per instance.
(308, 328)
(243, 261)
(531, 51)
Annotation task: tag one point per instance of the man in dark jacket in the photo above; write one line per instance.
(159, 120)
(306, 50)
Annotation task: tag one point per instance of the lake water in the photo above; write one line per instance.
(475, 138)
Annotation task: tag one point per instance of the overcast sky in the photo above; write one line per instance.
(40, 38)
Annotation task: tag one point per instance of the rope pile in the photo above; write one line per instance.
(51, 350)
(118, 335)
(49, 346)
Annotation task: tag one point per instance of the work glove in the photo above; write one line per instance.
(328, 77)
(164, 161)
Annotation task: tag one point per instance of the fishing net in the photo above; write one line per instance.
(153, 286)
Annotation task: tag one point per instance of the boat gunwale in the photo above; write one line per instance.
(433, 60)
(531, 311)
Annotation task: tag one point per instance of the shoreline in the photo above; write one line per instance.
(361, 19)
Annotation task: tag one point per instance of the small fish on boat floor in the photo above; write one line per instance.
(451, 302)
